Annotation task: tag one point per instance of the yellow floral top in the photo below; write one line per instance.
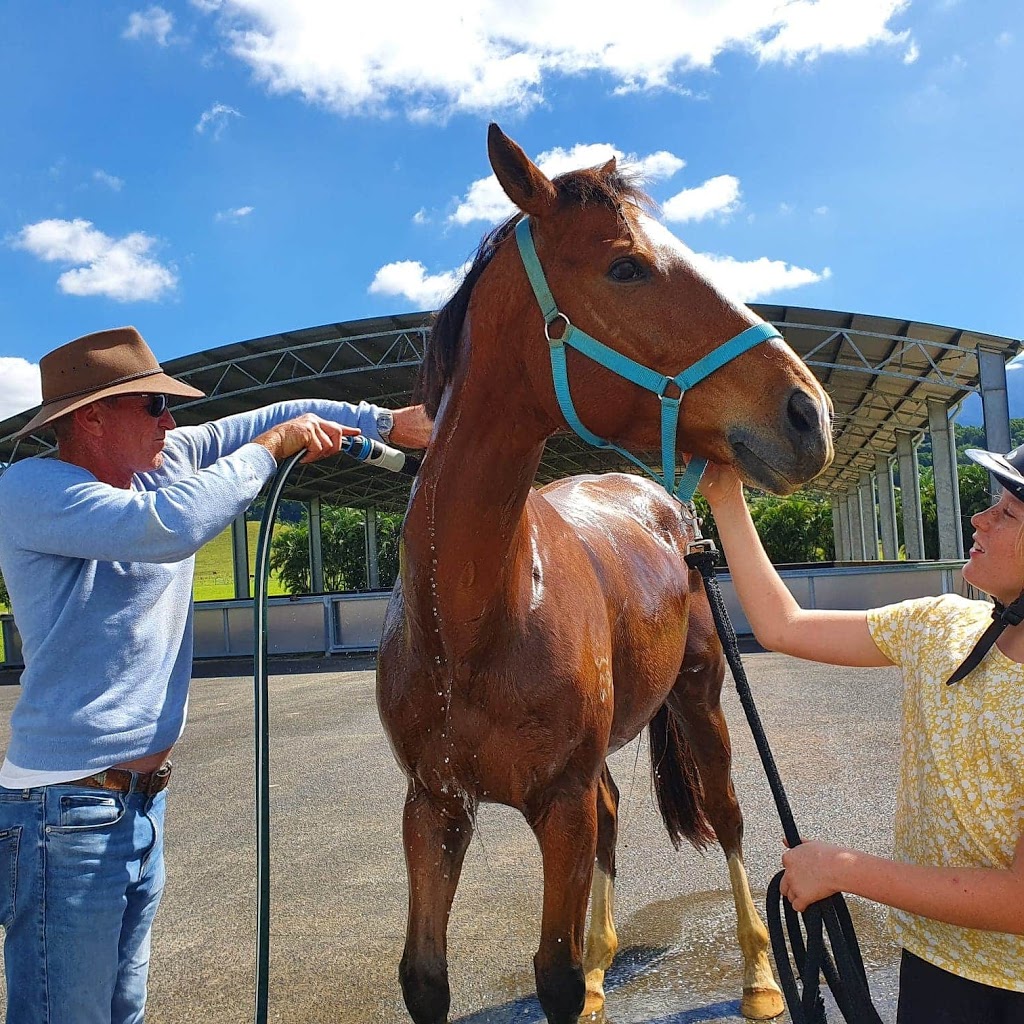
(961, 795)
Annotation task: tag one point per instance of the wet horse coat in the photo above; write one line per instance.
(531, 633)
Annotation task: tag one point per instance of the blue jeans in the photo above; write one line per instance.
(81, 875)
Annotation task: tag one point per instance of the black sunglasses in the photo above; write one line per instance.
(156, 406)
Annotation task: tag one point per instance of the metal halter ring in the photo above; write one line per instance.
(565, 330)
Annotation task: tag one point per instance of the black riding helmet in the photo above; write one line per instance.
(1008, 469)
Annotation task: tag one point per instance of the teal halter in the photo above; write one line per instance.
(631, 370)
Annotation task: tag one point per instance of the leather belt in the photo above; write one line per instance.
(122, 780)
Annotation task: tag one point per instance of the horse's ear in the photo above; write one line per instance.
(524, 183)
(608, 169)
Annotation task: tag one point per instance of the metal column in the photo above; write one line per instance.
(372, 568)
(910, 491)
(839, 531)
(947, 487)
(887, 508)
(316, 555)
(995, 407)
(853, 511)
(240, 556)
(868, 516)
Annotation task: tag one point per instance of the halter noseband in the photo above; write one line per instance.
(623, 366)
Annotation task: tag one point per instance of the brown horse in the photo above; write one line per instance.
(533, 632)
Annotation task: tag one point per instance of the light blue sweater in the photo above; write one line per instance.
(100, 580)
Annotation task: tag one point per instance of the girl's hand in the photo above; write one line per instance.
(720, 484)
(812, 872)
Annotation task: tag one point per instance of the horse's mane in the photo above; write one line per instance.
(440, 359)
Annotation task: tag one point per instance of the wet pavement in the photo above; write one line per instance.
(338, 876)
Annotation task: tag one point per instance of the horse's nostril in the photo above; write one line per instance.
(803, 412)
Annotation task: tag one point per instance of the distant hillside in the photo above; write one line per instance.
(970, 411)
(968, 436)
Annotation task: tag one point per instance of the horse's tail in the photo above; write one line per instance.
(677, 784)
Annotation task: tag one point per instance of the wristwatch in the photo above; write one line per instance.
(385, 423)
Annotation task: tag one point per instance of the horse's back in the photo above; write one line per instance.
(606, 509)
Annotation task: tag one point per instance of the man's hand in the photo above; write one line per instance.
(412, 428)
(320, 438)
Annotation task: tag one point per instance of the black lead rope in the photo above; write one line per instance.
(840, 961)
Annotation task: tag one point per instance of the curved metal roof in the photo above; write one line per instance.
(879, 372)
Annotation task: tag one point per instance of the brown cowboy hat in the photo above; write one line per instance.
(114, 362)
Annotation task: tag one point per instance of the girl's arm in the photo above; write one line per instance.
(988, 898)
(778, 622)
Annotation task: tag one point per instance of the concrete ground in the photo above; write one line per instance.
(338, 878)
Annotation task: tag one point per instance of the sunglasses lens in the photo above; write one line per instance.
(157, 405)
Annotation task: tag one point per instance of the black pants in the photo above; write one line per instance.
(930, 995)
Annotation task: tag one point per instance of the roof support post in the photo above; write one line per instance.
(868, 516)
(995, 406)
(887, 507)
(840, 530)
(372, 565)
(853, 512)
(910, 491)
(947, 487)
(316, 554)
(240, 557)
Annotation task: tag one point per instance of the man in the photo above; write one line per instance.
(97, 548)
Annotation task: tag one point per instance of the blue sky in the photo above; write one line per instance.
(217, 170)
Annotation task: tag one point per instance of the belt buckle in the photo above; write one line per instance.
(158, 779)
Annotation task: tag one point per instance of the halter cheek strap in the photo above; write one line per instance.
(565, 333)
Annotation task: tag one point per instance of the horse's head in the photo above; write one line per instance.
(619, 275)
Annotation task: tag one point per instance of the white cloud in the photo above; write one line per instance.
(750, 280)
(1004, 40)
(236, 214)
(216, 119)
(420, 216)
(812, 28)
(20, 388)
(154, 23)
(110, 180)
(821, 211)
(717, 197)
(484, 199)
(409, 278)
(913, 52)
(430, 59)
(118, 268)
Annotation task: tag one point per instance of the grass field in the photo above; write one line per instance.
(214, 580)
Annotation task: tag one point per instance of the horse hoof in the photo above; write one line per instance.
(593, 1006)
(761, 1003)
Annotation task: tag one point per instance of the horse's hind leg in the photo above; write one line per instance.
(696, 700)
(566, 829)
(435, 840)
(602, 942)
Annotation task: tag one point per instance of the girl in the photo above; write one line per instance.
(955, 884)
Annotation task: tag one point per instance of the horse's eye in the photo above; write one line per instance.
(627, 269)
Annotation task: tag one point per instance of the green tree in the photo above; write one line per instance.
(342, 544)
(389, 536)
(5, 598)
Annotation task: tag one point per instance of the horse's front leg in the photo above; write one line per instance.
(435, 839)
(566, 829)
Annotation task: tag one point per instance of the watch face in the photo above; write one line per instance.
(385, 421)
